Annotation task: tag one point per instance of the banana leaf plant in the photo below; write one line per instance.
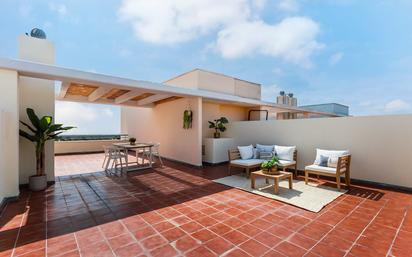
(41, 131)
(218, 124)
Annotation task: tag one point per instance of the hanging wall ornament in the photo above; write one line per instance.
(187, 119)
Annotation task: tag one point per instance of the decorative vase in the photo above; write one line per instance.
(37, 183)
(216, 135)
(272, 170)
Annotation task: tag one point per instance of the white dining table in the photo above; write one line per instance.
(126, 147)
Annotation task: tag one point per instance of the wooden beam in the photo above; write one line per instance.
(128, 96)
(152, 99)
(98, 93)
(63, 89)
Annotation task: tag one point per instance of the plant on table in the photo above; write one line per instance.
(270, 165)
(132, 140)
(41, 130)
(218, 125)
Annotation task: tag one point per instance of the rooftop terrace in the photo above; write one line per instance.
(177, 210)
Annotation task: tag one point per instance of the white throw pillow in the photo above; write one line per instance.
(332, 154)
(285, 152)
(246, 152)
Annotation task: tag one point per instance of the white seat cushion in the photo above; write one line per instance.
(285, 152)
(321, 169)
(286, 163)
(249, 162)
(332, 154)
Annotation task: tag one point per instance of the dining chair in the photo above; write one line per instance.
(106, 155)
(155, 152)
(116, 156)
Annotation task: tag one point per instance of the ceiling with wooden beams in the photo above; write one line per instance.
(110, 95)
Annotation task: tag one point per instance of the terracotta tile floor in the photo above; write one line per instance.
(178, 211)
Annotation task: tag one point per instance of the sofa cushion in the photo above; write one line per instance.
(324, 161)
(265, 155)
(321, 169)
(246, 152)
(285, 152)
(286, 163)
(332, 154)
(265, 148)
(247, 163)
(256, 154)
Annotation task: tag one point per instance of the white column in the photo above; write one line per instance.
(9, 135)
(38, 94)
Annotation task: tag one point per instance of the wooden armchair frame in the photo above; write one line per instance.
(343, 168)
(234, 154)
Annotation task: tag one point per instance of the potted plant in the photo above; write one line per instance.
(271, 166)
(219, 126)
(42, 130)
(132, 140)
(187, 119)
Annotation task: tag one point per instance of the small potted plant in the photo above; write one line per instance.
(132, 140)
(41, 131)
(271, 166)
(219, 126)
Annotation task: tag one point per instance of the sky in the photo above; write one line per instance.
(353, 52)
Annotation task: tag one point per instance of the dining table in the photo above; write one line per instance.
(138, 148)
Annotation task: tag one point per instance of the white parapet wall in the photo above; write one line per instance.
(82, 146)
(380, 145)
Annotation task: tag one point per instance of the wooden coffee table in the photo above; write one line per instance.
(276, 178)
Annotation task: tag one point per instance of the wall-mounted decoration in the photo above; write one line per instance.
(187, 119)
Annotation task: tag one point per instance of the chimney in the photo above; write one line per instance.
(281, 98)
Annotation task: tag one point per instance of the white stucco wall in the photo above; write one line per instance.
(164, 124)
(187, 80)
(9, 135)
(212, 111)
(37, 94)
(202, 79)
(380, 146)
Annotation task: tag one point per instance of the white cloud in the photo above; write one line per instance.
(335, 58)
(269, 93)
(174, 21)
(288, 5)
(293, 40)
(397, 106)
(237, 24)
(60, 9)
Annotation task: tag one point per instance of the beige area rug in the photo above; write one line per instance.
(311, 197)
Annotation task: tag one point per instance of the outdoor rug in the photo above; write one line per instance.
(311, 197)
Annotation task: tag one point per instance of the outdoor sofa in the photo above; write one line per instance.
(287, 155)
